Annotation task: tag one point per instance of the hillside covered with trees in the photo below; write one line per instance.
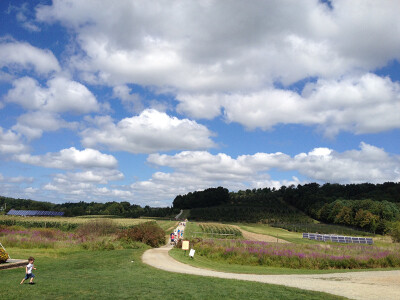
(370, 207)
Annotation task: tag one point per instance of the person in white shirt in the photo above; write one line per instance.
(28, 271)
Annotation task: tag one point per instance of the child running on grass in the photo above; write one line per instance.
(28, 271)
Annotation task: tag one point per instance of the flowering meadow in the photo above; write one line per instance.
(299, 256)
(98, 234)
(38, 238)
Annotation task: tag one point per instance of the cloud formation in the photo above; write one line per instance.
(222, 56)
(151, 131)
(17, 55)
(70, 159)
(196, 170)
(368, 104)
(222, 45)
(61, 95)
(10, 142)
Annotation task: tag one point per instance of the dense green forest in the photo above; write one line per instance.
(207, 198)
(261, 205)
(370, 207)
(123, 209)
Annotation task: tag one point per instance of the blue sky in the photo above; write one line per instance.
(140, 101)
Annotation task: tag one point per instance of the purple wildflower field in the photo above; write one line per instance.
(308, 256)
(38, 238)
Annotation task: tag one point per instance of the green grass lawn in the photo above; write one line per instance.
(78, 274)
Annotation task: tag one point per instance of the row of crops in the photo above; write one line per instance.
(220, 230)
(62, 223)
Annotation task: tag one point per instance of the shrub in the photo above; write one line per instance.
(98, 227)
(178, 244)
(149, 233)
(3, 256)
(395, 232)
(103, 244)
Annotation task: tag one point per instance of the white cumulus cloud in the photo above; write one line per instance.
(70, 158)
(365, 104)
(149, 132)
(33, 124)
(20, 55)
(10, 142)
(61, 95)
(224, 45)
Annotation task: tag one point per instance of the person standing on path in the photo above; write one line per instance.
(28, 271)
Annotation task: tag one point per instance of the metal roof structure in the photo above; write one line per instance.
(35, 213)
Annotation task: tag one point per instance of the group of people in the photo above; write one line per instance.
(178, 233)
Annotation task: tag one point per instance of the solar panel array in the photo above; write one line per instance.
(34, 213)
(337, 238)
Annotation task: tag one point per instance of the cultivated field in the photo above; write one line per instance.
(70, 223)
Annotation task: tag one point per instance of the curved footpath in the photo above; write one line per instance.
(355, 285)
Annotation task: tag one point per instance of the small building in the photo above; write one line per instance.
(35, 213)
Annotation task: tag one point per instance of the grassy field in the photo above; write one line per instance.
(77, 274)
(293, 237)
(209, 229)
(73, 222)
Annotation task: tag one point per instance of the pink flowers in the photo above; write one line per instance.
(314, 256)
(39, 238)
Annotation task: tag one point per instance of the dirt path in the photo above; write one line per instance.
(260, 237)
(357, 285)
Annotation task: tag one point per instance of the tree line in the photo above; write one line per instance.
(122, 209)
(367, 206)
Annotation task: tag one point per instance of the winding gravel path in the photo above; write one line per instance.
(383, 285)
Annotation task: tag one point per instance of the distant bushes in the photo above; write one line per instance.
(148, 233)
(29, 223)
(98, 227)
(395, 232)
